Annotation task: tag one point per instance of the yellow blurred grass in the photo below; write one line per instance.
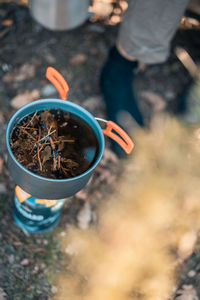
(145, 228)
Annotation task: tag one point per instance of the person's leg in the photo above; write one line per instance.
(144, 36)
(116, 86)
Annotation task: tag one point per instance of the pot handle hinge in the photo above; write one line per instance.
(58, 81)
(116, 133)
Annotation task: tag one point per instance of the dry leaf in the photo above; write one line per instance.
(78, 59)
(70, 163)
(186, 244)
(84, 216)
(46, 154)
(7, 22)
(191, 273)
(22, 99)
(46, 118)
(3, 295)
(25, 262)
(101, 8)
(187, 293)
(61, 146)
(26, 71)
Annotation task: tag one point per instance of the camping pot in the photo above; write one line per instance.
(42, 187)
(59, 14)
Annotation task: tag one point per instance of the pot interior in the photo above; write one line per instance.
(83, 139)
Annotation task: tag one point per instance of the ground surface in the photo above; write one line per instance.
(27, 49)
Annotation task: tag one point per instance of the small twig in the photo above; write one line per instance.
(52, 143)
(59, 161)
(31, 128)
(67, 141)
(47, 135)
(26, 132)
(55, 125)
(31, 119)
(43, 145)
(38, 153)
(64, 141)
(54, 155)
(54, 162)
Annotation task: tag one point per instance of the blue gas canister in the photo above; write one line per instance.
(36, 215)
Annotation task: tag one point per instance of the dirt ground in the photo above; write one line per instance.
(27, 262)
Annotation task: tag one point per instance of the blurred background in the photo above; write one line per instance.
(32, 266)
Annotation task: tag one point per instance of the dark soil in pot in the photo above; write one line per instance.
(54, 144)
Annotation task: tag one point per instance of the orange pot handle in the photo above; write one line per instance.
(122, 138)
(58, 81)
(62, 87)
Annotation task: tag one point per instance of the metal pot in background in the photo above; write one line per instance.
(59, 14)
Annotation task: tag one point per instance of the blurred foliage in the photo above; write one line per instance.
(147, 228)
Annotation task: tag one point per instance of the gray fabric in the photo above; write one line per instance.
(148, 27)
